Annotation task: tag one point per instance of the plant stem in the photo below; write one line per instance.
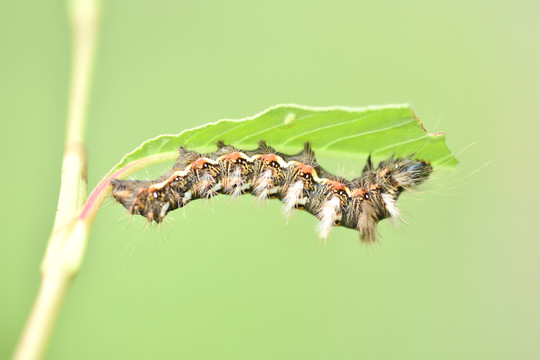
(67, 242)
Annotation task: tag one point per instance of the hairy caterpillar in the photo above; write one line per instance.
(297, 180)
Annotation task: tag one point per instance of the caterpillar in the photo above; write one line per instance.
(297, 180)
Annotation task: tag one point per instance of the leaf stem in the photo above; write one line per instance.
(102, 189)
(67, 242)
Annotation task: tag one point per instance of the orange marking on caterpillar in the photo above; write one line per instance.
(199, 163)
(363, 193)
(336, 185)
(269, 157)
(232, 156)
(306, 169)
(375, 187)
(384, 172)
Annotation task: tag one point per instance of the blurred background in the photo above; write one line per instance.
(232, 281)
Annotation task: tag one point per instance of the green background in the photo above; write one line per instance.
(232, 281)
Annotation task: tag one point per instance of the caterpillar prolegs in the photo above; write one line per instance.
(297, 180)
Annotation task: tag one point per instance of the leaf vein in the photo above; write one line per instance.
(366, 133)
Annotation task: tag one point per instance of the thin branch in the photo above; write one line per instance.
(67, 242)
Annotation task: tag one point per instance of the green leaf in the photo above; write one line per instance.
(333, 131)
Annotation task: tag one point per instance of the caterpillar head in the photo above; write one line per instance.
(141, 198)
